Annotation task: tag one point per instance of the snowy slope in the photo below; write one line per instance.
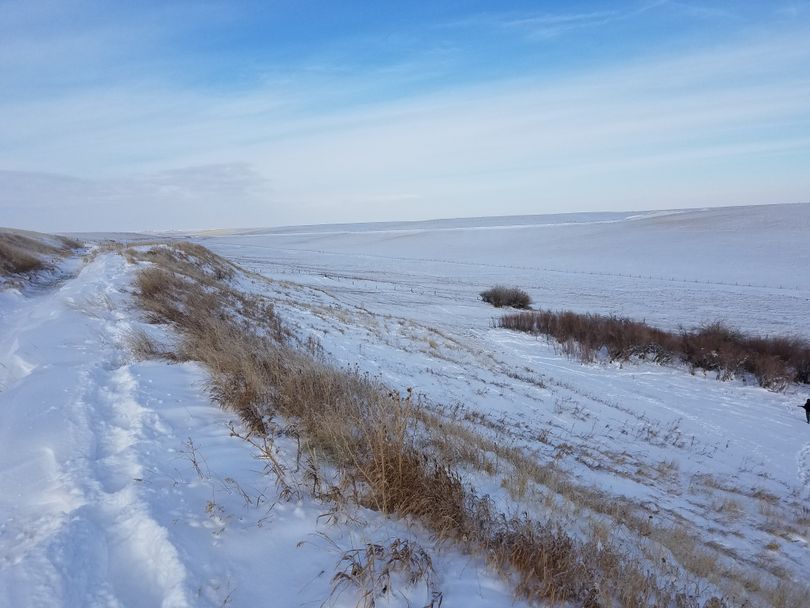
(121, 485)
(729, 457)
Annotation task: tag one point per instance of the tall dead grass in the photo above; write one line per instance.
(371, 571)
(774, 361)
(25, 252)
(391, 454)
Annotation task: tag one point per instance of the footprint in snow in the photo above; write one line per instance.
(803, 462)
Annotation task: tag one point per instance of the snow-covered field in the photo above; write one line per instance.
(748, 265)
(121, 485)
(400, 300)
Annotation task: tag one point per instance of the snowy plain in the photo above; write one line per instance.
(121, 485)
(748, 265)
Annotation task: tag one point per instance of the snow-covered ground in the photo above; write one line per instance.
(748, 265)
(401, 301)
(121, 485)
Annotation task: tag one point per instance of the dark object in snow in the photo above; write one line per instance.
(500, 296)
(806, 407)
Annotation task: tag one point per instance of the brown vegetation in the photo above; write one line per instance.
(500, 296)
(24, 252)
(774, 362)
(371, 570)
(390, 452)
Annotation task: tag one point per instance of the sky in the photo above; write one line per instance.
(193, 115)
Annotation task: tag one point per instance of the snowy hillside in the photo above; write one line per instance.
(747, 265)
(123, 483)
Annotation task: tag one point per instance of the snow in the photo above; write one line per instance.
(744, 264)
(122, 485)
(101, 503)
(402, 303)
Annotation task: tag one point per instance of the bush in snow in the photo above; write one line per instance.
(500, 296)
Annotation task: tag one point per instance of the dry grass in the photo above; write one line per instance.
(774, 362)
(14, 260)
(144, 347)
(397, 457)
(374, 570)
(500, 296)
(25, 252)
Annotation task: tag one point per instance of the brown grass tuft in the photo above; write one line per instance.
(144, 347)
(375, 569)
(24, 252)
(14, 260)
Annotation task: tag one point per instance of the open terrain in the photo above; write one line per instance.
(123, 485)
(746, 265)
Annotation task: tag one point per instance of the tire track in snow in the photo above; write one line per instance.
(80, 531)
(138, 559)
(803, 463)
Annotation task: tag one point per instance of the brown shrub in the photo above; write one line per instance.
(500, 296)
(774, 362)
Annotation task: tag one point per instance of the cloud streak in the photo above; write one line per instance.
(719, 124)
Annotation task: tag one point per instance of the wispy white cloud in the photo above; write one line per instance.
(721, 124)
(547, 24)
(552, 25)
(701, 10)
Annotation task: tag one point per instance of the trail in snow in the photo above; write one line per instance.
(77, 528)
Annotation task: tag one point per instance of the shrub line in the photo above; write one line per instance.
(500, 296)
(774, 362)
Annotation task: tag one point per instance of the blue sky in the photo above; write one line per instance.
(181, 115)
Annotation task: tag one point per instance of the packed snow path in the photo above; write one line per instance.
(77, 526)
(120, 485)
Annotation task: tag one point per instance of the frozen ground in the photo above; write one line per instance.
(121, 485)
(748, 265)
(401, 301)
